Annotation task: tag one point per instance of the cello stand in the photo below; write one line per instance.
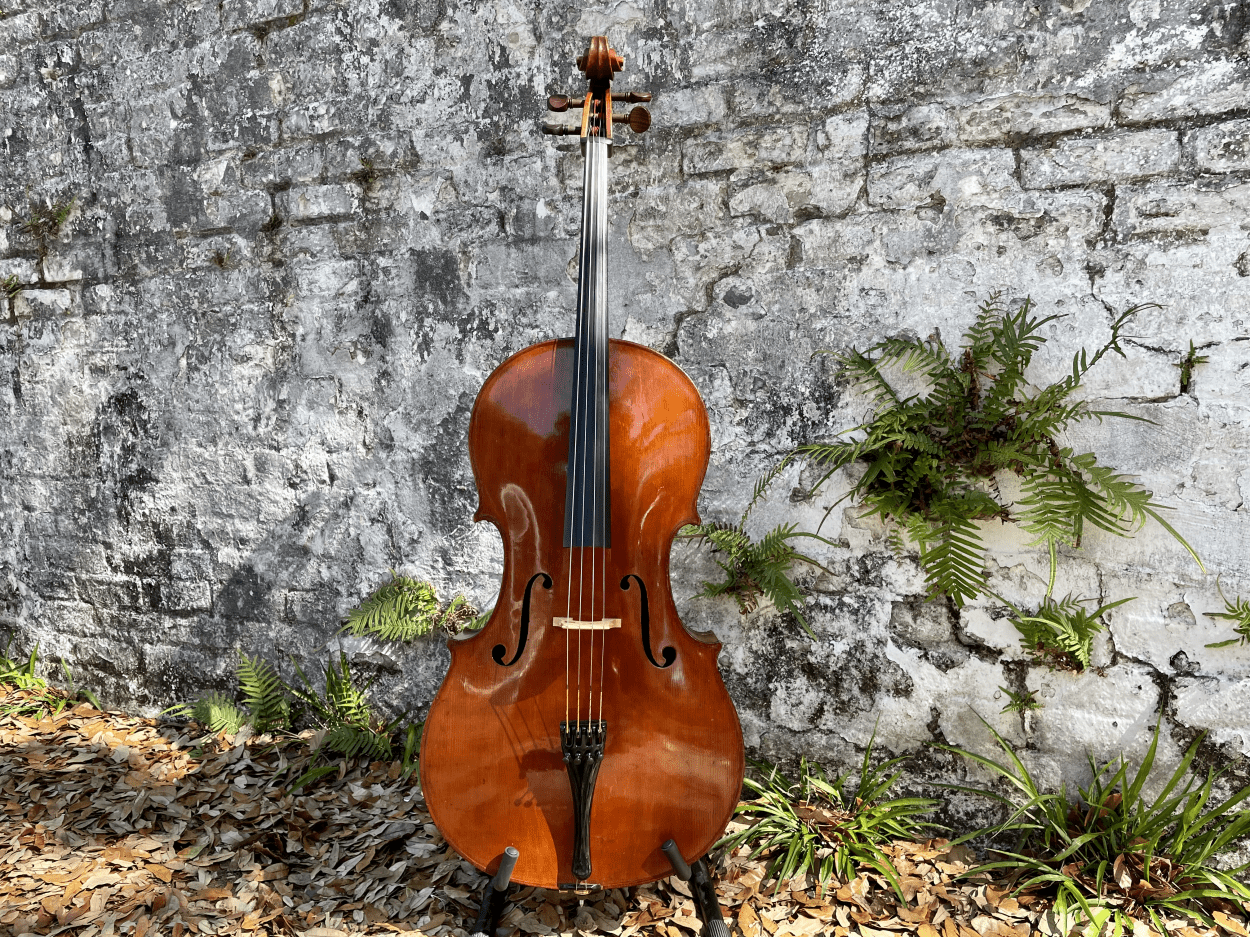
(701, 888)
(495, 896)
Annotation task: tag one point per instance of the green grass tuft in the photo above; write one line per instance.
(825, 828)
(1111, 854)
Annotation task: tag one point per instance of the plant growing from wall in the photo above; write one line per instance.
(1238, 612)
(1061, 633)
(1190, 360)
(407, 608)
(753, 569)
(931, 458)
(1020, 702)
(1113, 854)
(45, 224)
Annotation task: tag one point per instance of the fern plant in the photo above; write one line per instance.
(1061, 634)
(342, 710)
(264, 694)
(399, 610)
(931, 458)
(218, 713)
(407, 608)
(266, 702)
(753, 569)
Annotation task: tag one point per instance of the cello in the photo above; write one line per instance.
(584, 730)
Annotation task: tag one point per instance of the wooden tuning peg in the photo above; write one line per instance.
(562, 102)
(556, 129)
(639, 119)
(632, 97)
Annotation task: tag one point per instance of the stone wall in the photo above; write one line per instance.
(236, 380)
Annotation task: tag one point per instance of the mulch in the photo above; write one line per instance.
(116, 825)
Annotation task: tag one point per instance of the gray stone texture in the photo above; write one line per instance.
(235, 386)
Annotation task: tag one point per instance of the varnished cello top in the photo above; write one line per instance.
(584, 724)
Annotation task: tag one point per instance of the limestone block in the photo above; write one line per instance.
(662, 212)
(994, 631)
(691, 106)
(71, 262)
(1218, 705)
(1178, 210)
(178, 596)
(111, 592)
(19, 29)
(23, 268)
(42, 304)
(1104, 715)
(1221, 147)
(921, 127)
(1215, 87)
(836, 87)
(73, 18)
(766, 200)
(821, 188)
(313, 203)
(8, 70)
(240, 210)
(1021, 114)
(238, 14)
(778, 146)
(1107, 157)
(300, 165)
(959, 178)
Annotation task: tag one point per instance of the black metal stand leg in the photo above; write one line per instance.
(495, 897)
(701, 888)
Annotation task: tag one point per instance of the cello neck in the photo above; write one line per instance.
(587, 510)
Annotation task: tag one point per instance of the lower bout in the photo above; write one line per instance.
(492, 783)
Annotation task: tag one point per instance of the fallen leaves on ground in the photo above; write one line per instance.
(116, 826)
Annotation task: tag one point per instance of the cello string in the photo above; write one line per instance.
(574, 428)
(601, 481)
(593, 407)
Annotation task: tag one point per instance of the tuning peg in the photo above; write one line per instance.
(562, 102)
(558, 129)
(639, 119)
(632, 97)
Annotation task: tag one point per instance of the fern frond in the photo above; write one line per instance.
(1062, 633)
(762, 483)
(399, 610)
(953, 557)
(927, 357)
(754, 569)
(354, 741)
(264, 694)
(864, 372)
(218, 713)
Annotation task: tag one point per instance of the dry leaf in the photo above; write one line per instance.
(1229, 924)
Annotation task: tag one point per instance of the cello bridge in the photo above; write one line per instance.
(572, 624)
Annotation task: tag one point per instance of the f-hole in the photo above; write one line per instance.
(669, 654)
(498, 651)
